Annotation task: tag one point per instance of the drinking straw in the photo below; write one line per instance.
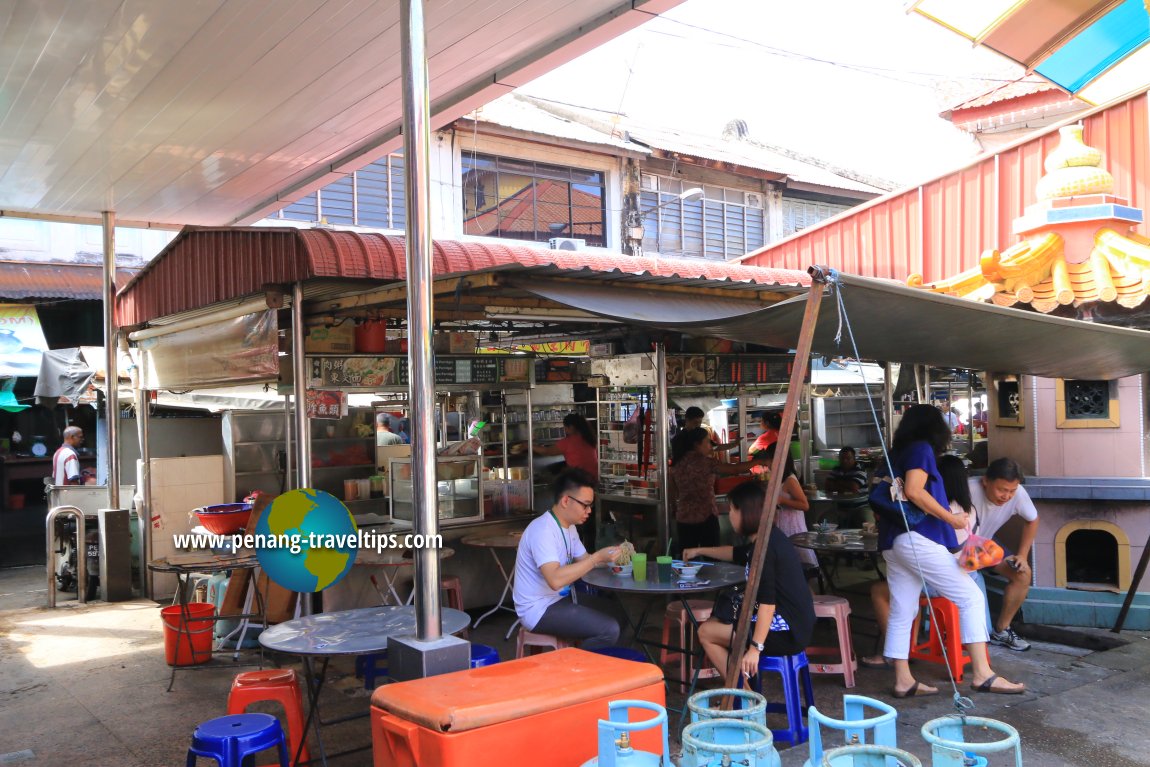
(668, 547)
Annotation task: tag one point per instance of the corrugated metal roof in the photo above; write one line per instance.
(20, 280)
(941, 227)
(206, 266)
(1027, 86)
(515, 111)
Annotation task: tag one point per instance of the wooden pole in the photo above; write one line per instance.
(775, 485)
(1134, 583)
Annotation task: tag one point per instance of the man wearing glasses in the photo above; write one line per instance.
(551, 558)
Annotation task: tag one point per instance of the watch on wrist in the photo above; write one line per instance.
(758, 645)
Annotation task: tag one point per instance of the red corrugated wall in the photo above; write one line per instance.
(941, 227)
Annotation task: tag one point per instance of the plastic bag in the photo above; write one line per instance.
(632, 426)
(978, 553)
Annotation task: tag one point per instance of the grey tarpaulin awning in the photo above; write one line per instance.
(64, 374)
(891, 322)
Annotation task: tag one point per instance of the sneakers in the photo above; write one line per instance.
(1008, 639)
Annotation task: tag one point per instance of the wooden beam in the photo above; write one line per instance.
(775, 485)
(748, 295)
(397, 293)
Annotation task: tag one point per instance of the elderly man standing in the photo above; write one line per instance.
(997, 497)
(66, 461)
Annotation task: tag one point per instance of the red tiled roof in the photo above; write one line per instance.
(21, 280)
(203, 266)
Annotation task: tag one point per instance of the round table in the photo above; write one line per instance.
(391, 560)
(494, 543)
(823, 503)
(867, 545)
(346, 632)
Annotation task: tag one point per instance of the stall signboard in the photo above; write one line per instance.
(21, 340)
(326, 404)
(379, 372)
(729, 369)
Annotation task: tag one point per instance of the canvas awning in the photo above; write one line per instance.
(892, 323)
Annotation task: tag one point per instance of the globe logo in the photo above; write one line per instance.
(307, 540)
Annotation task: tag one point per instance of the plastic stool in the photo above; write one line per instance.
(855, 726)
(838, 610)
(528, 639)
(482, 655)
(280, 685)
(790, 668)
(945, 631)
(230, 739)
(676, 615)
(454, 588)
(625, 653)
(371, 666)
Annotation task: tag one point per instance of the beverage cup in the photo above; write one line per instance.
(666, 572)
(639, 572)
(350, 490)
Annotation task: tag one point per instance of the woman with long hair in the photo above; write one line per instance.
(791, 515)
(578, 447)
(923, 553)
(692, 491)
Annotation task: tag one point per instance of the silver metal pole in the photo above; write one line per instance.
(299, 387)
(144, 479)
(663, 441)
(112, 401)
(888, 401)
(289, 449)
(81, 552)
(416, 145)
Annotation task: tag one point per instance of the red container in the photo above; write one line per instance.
(188, 642)
(225, 518)
(371, 337)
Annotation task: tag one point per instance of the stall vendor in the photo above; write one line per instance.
(578, 447)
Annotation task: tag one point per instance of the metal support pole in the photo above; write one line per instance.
(112, 376)
(299, 386)
(144, 478)
(416, 146)
(289, 448)
(663, 441)
(81, 552)
(888, 400)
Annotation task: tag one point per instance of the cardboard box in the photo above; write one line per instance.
(337, 339)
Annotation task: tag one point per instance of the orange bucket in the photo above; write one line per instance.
(188, 643)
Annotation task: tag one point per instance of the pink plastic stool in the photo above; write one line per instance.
(677, 616)
(838, 610)
(528, 639)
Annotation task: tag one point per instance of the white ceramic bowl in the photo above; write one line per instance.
(622, 571)
(687, 570)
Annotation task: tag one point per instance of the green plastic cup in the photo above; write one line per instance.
(639, 567)
(666, 572)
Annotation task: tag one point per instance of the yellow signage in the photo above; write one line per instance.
(21, 340)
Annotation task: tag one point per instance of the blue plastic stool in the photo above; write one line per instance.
(856, 727)
(624, 653)
(482, 655)
(371, 666)
(790, 668)
(230, 739)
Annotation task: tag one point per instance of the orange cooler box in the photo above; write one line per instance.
(542, 710)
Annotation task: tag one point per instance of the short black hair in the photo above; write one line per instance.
(748, 498)
(1005, 468)
(571, 479)
(773, 419)
(693, 412)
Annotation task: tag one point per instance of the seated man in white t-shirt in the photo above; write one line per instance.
(551, 558)
(997, 497)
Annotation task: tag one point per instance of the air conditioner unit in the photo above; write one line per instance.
(567, 243)
(754, 200)
(649, 183)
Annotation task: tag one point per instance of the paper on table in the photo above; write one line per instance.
(695, 582)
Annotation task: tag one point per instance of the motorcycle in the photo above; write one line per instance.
(66, 557)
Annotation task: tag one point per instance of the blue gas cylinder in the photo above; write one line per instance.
(615, 737)
(715, 742)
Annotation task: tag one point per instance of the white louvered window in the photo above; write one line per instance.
(799, 214)
(724, 224)
(371, 197)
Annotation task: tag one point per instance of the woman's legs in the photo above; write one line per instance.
(715, 637)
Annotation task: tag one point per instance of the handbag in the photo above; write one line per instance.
(728, 604)
(889, 503)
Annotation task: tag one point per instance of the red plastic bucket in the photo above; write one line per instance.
(371, 337)
(190, 643)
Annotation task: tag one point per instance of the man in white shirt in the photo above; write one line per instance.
(551, 558)
(66, 461)
(949, 415)
(996, 497)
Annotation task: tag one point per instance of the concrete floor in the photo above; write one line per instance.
(86, 686)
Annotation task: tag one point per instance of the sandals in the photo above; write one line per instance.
(988, 686)
(914, 692)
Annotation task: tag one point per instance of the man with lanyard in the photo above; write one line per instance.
(551, 558)
(996, 497)
(66, 461)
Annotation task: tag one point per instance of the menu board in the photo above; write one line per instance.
(379, 372)
(729, 369)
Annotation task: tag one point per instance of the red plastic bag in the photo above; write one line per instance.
(978, 553)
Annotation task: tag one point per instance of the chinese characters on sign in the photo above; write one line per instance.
(326, 404)
(381, 372)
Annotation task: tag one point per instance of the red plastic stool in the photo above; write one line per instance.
(676, 616)
(280, 685)
(528, 639)
(838, 610)
(945, 631)
(454, 588)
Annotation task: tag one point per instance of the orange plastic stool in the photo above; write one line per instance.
(280, 685)
(528, 639)
(838, 610)
(454, 588)
(677, 616)
(944, 632)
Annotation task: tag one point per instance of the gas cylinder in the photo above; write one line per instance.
(749, 706)
(615, 737)
(868, 755)
(723, 742)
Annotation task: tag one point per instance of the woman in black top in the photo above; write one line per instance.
(785, 614)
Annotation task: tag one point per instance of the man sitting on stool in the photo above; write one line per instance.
(551, 558)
